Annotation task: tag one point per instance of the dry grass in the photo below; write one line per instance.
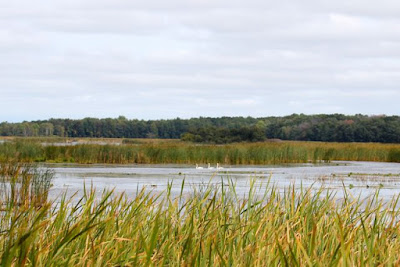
(214, 226)
(211, 226)
(156, 151)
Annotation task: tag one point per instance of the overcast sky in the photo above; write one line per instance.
(188, 58)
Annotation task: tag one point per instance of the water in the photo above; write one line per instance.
(362, 178)
(75, 143)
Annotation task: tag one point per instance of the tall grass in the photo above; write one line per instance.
(24, 184)
(176, 152)
(394, 155)
(211, 227)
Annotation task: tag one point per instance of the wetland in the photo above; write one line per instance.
(360, 178)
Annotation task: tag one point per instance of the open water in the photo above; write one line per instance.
(359, 178)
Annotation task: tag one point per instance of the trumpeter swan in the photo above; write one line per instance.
(209, 166)
(219, 167)
(197, 167)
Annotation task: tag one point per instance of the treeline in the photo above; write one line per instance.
(330, 128)
(222, 135)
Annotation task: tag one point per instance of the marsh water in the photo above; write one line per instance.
(360, 178)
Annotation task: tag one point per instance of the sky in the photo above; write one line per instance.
(158, 59)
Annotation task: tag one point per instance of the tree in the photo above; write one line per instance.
(46, 129)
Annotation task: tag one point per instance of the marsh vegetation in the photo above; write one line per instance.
(213, 225)
(23, 184)
(153, 151)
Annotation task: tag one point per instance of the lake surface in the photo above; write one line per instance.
(358, 177)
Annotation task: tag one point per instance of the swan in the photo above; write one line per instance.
(219, 167)
(197, 167)
(209, 166)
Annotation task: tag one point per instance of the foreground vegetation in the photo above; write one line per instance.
(211, 226)
(163, 152)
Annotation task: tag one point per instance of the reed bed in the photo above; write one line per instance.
(212, 226)
(186, 153)
(23, 184)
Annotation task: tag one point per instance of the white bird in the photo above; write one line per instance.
(209, 166)
(197, 167)
(219, 167)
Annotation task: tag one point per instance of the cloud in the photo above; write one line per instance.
(162, 59)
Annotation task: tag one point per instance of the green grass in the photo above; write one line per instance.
(24, 184)
(167, 151)
(212, 226)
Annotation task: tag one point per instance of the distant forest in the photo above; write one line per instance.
(330, 128)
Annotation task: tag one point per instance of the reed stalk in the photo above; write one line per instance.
(212, 226)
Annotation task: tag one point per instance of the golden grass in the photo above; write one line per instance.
(156, 151)
(213, 226)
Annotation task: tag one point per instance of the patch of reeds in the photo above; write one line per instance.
(212, 227)
(185, 153)
(24, 184)
(394, 155)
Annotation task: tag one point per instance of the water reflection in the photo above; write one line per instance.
(360, 178)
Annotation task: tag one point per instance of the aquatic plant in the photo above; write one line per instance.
(394, 155)
(24, 184)
(185, 153)
(211, 226)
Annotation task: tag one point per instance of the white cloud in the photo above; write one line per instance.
(162, 59)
